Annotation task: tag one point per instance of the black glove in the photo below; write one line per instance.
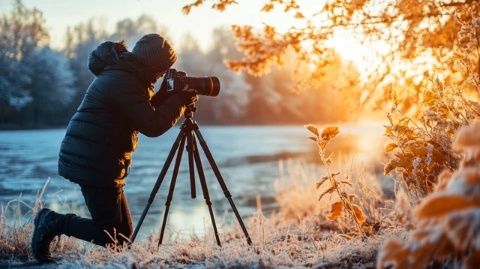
(188, 97)
(161, 95)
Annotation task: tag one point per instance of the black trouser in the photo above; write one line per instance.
(109, 210)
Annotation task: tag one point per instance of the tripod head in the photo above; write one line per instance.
(191, 108)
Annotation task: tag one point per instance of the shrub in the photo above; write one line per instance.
(421, 144)
(448, 219)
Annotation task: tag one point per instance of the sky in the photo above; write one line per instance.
(200, 22)
(60, 14)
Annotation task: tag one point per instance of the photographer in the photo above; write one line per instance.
(101, 136)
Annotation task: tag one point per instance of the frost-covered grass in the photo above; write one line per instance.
(305, 244)
(297, 235)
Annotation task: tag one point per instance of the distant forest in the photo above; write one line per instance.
(41, 87)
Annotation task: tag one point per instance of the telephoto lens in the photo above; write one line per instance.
(209, 86)
(176, 80)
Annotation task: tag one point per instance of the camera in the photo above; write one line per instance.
(176, 81)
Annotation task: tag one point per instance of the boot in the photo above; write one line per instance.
(47, 226)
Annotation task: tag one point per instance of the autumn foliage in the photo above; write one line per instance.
(448, 219)
(420, 37)
(420, 146)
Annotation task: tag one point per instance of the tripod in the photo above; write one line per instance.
(188, 131)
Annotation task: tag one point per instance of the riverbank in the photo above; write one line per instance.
(297, 234)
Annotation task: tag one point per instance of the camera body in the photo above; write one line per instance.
(176, 81)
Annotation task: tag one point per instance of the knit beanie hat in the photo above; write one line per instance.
(154, 52)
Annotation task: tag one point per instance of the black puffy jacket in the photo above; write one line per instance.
(102, 134)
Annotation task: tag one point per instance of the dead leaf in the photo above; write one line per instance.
(312, 128)
(336, 211)
(321, 181)
(330, 132)
(390, 147)
(437, 206)
(359, 215)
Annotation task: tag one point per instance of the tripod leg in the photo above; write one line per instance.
(178, 160)
(220, 179)
(203, 183)
(190, 164)
(160, 178)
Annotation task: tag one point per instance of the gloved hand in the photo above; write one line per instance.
(189, 96)
(161, 94)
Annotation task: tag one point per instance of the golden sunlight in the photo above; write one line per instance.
(240, 134)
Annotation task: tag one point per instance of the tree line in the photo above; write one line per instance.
(41, 87)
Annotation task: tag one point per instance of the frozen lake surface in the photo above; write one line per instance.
(248, 158)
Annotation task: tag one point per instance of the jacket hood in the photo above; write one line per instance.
(106, 54)
(111, 55)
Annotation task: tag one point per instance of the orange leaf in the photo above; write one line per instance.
(403, 122)
(336, 211)
(391, 165)
(299, 15)
(359, 215)
(267, 7)
(440, 205)
(390, 147)
(330, 132)
(312, 128)
(471, 176)
(393, 253)
(388, 131)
